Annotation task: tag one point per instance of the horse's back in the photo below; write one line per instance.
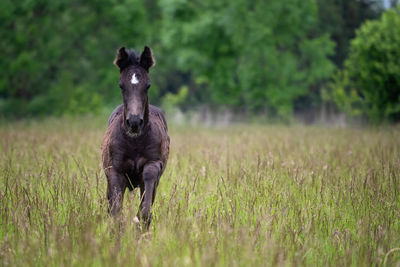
(158, 115)
(117, 112)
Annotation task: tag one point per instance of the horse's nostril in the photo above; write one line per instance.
(134, 122)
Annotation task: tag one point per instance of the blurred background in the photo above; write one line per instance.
(295, 60)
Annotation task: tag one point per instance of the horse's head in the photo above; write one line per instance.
(134, 83)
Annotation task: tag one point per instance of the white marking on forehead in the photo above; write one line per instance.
(134, 79)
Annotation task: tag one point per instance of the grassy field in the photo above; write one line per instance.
(245, 195)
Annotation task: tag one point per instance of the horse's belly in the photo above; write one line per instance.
(133, 173)
(134, 180)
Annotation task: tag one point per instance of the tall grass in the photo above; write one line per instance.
(237, 196)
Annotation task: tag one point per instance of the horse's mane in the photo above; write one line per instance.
(133, 57)
(123, 62)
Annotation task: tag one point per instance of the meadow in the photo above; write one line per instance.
(241, 195)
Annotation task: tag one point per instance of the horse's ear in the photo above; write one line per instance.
(122, 59)
(146, 59)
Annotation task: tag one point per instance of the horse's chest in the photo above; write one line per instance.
(130, 158)
(141, 154)
(133, 159)
(132, 167)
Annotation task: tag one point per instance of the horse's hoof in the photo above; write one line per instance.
(136, 220)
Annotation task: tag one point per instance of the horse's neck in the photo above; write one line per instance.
(146, 113)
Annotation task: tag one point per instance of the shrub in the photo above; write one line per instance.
(374, 67)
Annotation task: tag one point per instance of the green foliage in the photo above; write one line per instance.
(341, 18)
(374, 66)
(264, 62)
(172, 101)
(57, 54)
(269, 57)
(339, 93)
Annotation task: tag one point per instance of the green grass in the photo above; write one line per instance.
(244, 195)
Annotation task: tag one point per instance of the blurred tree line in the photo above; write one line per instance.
(255, 57)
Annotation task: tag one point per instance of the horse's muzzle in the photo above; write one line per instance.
(134, 124)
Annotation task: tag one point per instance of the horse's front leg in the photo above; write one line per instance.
(151, 174)
(116, 185)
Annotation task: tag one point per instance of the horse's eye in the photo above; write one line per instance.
(121, 86)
